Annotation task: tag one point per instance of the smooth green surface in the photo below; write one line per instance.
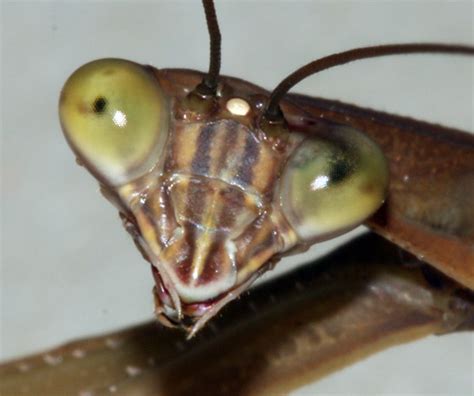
(115, 117)
(333, 183)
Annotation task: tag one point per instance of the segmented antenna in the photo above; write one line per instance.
(209, 83)
(273, 113)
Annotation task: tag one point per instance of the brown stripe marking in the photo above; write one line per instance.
(227, 147)
(209, 272)
(249, 159)
(201, 160)
(200, 165)
(183, 147)
(258, 238)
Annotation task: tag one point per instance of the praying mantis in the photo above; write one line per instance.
(316, 78)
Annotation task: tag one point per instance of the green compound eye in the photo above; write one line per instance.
(115, 117)
(333, 183)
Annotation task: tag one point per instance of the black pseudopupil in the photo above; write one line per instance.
(99, 105)
(340, 170)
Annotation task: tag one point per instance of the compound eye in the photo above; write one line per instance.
(115, 117)
(332, 183)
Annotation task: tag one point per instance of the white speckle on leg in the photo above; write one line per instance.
(85, 393)
(113, 343)
(78, 353)
(133, 371)
(52, 360)
(23, 367)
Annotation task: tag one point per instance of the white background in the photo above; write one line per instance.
(68, 267)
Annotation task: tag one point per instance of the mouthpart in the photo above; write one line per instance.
(191, 317)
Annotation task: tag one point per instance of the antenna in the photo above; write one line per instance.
(208, 85)
(273, 113)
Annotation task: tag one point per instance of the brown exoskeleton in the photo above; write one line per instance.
(216, 180)
(199, 78)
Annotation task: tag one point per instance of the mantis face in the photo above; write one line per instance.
(210, 198)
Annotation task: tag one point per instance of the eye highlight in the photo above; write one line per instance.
(115, 117)
(332, 183)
